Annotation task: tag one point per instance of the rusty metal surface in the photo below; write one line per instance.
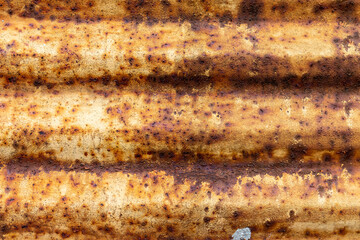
(175, 56)
(154, 12)
(179, 119)
(152, 205)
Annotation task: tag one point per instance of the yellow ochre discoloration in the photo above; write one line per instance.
(80, 124)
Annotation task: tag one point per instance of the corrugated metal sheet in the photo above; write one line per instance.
(179, 119)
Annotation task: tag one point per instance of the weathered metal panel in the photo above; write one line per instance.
(179, 119)
(110, 126)
(200, 204)
(173, 55)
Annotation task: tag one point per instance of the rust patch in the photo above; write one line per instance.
(296, 152)
(318, 8)
(346, 10)
(221, 176)
(228, 73)
(32, 11)
(281, 8)
(250, 10)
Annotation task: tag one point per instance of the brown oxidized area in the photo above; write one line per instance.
(179, 119)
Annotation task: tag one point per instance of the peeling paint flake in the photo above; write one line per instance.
(242, 234)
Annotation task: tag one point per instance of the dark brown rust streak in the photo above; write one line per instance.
(152, 12)
(336, 73)
(221, 176)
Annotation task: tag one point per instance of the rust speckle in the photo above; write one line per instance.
(282, 8)
(170, 228)
(269, 224)
(348, 107)
(9, 201)
(215, 138)
(236, 214)
(292, 215)
(327, 157)
(207, 219)
(342, 231)
(165, 3)
(262, 111)
(318, 8)
(65, 235)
